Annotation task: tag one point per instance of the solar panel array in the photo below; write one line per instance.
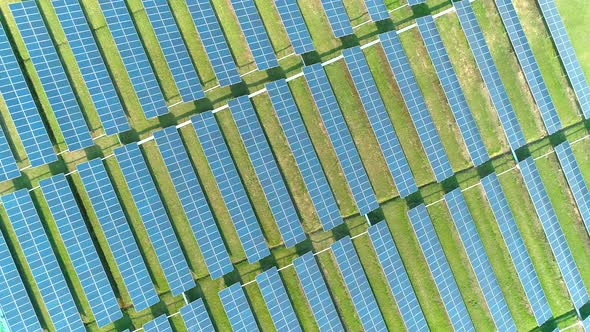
(377, 10)
(255, 33)
(230, 185)
(337, 17)
(358, 286)
(92, 67)
(517, 249)
(479, 261)
(53, 78)
(195, 316)
(554, 233)
(42, 262)
(295, 26)
(153, 214)
(304, 153)
(174, 49)
(81, 250)
(134, 58)
(237, 309)
(194, 202)
(118, 234)
(414, 101)
(315, 289)
(277, 301)
(158, 324)
(490, 74)
(8, 167)
(379, 119)
(452, 89)
(440, 269)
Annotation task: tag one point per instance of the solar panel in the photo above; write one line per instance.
(267, 170)
(490, 74)
(154, 217)
(517, 249)
(440, 269)
(416, 2)
(315, 289)
(304, 153)
(377, 10)
(358, 286)
(397, 277)
(567, 54)
(16, 310)
(44, 266)
(53, 78)
(81, 250)
(174, 49)
(194, 202)
(277, 301)
(92, 67)
(586, 324)
(214, 42)
(255, 34)
(134, 58)
(195, 317)
(118, 234)
(8, 167)
(237, 309)
(380, 121)
(337, 17)
(554, 233)
(452, 89)
(230, 185)
(158, 324)
(22, 108)
(295, 26)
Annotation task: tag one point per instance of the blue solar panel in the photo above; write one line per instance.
(158, 324)
(567, 54)
(337, 17)
(255, 34)
(92, 67)
(118, 234)
(267, 170)
(377, 10)
(479, 261)
(440, 269)
(452, 88)
(304, 153)
(237, 309)
(174, 49)
(83, 254)
(554, 233)
(586, 324)
(44, 266)
(22, 108)
(8, 167)
(231, 187)
(315, 289)
(518, 252)
(358, 286)
(134, 58)
(53, 78)
(379, 119)
(154, 217)
(277, 301)
(397, 277)
(193, 202)
(490, 74)
(295, 26)
(214, 42)
(195, 317)
(416, 2)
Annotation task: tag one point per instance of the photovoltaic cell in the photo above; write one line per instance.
(397, 277)
(304, 153)
(440, 269)
(295, 26)
(237, 309)
(416, 2)
(195, 317)
(44, 266)
(53, 78)
(490, 74)
(517, 249)
(315, 289)
(586, 324)
(230, 185)
(174, 49)
(81, 250)
(358, 286)
(134, 58)
(193, 201)
(377, 10)
(267, 170)
(158, 324)
(8, 167)
(118, 234)
(92, 67)
(154, 217)
(453, 92)
(554, 233)
(277, 301)
(380, 121)
(337, 17)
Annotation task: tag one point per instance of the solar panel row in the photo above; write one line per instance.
(237, 309)
(277, 301)
(337, 17)
(195, 317)
(8, 167)
(295, 26)
(158, 324)
(377, 10)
